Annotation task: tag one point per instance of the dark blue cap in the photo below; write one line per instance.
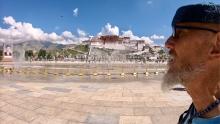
(203, 13)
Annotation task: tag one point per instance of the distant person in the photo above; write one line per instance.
(194, 48)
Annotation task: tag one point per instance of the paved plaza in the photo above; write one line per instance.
(134, 102)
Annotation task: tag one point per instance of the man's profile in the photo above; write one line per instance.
(194, 48)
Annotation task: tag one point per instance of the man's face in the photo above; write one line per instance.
(188, 50)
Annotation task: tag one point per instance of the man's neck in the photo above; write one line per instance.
(202, 99)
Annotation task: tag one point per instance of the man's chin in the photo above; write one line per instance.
(170, 79)
(180, 75)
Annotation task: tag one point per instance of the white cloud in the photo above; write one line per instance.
(157, 37)
(75, 12)
(114, 30)
(18, 32)
(81, 33)
(70, 38)
(109, 30)
(130, 34)
(67, 34)
(22, 32)
(147, 40)
(54, 37)
(9, 20)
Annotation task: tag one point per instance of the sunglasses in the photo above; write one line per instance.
(175, 27)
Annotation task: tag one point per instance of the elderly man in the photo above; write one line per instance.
(194, 49)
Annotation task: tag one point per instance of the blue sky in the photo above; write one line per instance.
(142, 17)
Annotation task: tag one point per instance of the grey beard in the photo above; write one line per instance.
(171, 79)
(182, 76)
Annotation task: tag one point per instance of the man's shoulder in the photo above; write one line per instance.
(188, 117)
(214, 120)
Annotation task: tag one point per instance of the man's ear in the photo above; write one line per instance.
(215, 50)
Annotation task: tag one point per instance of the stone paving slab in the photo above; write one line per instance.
(135, 120)
(57, 89)
(102, 119)
(48, 111)
(90, 103)
(48, 120)
(73, 116)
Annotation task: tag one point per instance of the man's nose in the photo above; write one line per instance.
(169, 44)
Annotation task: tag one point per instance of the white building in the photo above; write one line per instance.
(116, 42)
(157, 48)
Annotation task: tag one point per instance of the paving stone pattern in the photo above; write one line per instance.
(90, 103)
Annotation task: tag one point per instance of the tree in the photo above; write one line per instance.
(42, 54)
(28, 54)
(151, 51)
(161, 52)
(1, 54)
(82, 48)
(49, 56)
